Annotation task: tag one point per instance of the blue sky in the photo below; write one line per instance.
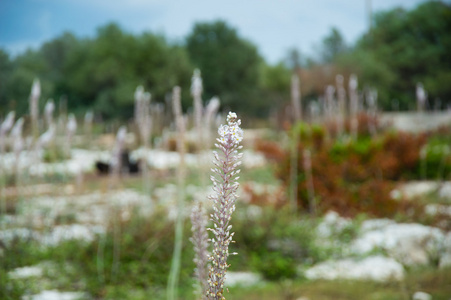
(274, 26)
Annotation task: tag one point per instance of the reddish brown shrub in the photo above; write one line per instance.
(271, 150)
(356, 176)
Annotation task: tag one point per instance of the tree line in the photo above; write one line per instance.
(101, 73)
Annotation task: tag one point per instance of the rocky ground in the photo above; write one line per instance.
(382, 250)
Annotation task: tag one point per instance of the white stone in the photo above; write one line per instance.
(25, 272)
(411, 244)
(377, 268)
(332, 223)
(55, 295)
(416, 188)
(374, 224)
(416, 122)
(71, 232)
(445, 257)
(444, 191)
(421, 296)
(436, 209)
(242, 278)
(8, 235)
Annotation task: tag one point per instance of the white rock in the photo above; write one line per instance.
(94, 208)
(411, 244)
(421, 296)
(417, 188)
(242, 278)
(55, 295)
(435, 209)
(445, 191)
(374, 224)
(71, 232)
(377, 268)
(445, 260)
(445, 257)
(7, 235)
(331, 224)
(25, 272)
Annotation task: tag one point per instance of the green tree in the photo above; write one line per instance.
(230, 65)
(104, 72)
(5, 73)
(332, 46)
(416, 46)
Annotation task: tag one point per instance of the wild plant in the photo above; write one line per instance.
(143, 120)
(307, 163)
(181, 173)
(296, 103)
(353, 105)
(5, 126)
(421, 97)
(371, 101)
(341, 101)
(34, 106)
(211, 109)
(88, 120)
(142, 115)
(18, 144)
(71, 128)
(116, 162)
(196, 92)
(225, 185)
(48, 111)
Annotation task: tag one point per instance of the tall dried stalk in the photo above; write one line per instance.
(34, 107)
(48, 111)
(174, 274)
(296, 103)
(71, 129)
(341, 99)
(87, 125)
(5, 126)
(371, 101)
(309, 178)
(354, 105)
(196, 92)
(421, 95)
(18, 144)
(211, 110)
(143, 121)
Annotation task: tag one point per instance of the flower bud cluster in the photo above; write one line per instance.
(224, 197)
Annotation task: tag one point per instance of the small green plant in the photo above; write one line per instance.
(54, 154)
(276, 266)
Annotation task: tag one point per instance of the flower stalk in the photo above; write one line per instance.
(225, 185)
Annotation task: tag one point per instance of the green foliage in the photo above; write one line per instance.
(415, 46)
(100, 73)
(229, 64)
(434, 282)
(333, 45)
(273, 243)
(54, 154)
(276, 266)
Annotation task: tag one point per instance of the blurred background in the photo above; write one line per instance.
(109, 112)
(95, 53)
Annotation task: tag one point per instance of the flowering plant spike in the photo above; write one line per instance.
(225, 185)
